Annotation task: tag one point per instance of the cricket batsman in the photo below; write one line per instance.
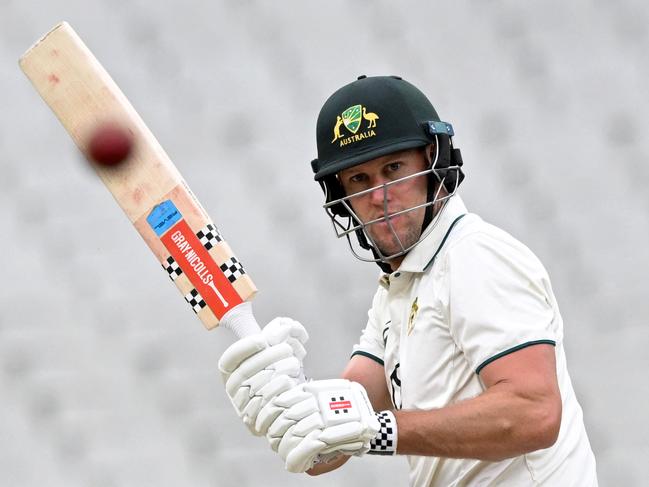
(461, 366)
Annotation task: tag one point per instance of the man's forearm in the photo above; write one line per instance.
(493, 426)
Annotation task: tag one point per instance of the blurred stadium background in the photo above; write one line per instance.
(106, 378)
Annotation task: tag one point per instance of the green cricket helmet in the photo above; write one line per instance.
(373, 117)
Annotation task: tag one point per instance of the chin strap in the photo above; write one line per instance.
(385, 267)
(362, 241)
(448, 157)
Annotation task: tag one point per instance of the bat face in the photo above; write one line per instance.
(194, 254)
(147, 185)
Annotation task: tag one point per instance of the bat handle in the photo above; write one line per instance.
(240, 320)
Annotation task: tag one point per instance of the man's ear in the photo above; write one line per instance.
(429, 153)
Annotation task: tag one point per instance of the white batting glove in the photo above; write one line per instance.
(259, 367)
(314, 419)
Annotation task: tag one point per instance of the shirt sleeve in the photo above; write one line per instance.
(371, 342)
(500, 299)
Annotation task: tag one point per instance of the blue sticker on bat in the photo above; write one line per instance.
(163, 217)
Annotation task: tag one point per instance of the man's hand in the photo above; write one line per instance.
(317, 420)
(259, 367)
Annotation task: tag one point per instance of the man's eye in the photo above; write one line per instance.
(357, 178)
(394, 166)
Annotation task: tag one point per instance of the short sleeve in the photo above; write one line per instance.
(371, 342)
(499, 298)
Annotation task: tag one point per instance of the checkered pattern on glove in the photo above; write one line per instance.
(385, 441)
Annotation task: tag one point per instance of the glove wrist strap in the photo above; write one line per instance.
(385, 441)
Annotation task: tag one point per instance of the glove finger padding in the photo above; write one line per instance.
(345, 432)
(255, 364)
(278, 331)
(290, 366)
(298, 431)
(277, 385)
(279, 404)
(251, 410)
(260, 383)
(260, 367)
(268, 417)
(354, 448)
(287, 330)
(240, 351)
(303, 455)
(250, 387)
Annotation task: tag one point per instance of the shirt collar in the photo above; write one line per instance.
(420, 257)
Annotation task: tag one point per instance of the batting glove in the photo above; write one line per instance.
(259, 367)
(315, 419)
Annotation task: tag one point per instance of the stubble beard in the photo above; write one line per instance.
(407, 232)
(386, 242)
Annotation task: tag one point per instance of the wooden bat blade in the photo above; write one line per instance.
(147, 186)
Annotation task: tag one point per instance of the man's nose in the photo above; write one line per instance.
(381, 193)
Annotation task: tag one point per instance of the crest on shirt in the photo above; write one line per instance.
(414, 308)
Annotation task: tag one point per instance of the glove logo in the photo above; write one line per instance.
(340, 404)
(352, 119)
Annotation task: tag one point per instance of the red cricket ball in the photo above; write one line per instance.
(110, 144)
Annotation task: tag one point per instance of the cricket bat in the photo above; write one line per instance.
(147, 186)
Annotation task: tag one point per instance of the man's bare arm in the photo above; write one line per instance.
(371, 376)
(519, 412)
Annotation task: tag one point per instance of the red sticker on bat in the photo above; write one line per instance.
(199, 266)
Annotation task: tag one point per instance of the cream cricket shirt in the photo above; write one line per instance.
(465, 296)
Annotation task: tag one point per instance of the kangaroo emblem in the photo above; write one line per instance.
(337, 135)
